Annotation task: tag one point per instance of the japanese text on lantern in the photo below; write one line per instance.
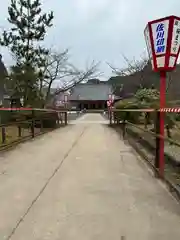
(160, 40)
(176, 37)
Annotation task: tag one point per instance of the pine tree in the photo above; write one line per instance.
(29, 29)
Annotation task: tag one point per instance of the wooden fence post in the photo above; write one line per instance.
(32, 124)
(65, 118)
(3, 134)
(124, 127)
(110, 116)
(19, 131)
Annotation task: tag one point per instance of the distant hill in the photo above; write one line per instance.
(146, 78)
(93, 81)
(96, 81)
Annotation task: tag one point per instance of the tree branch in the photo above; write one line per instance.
(59, 69)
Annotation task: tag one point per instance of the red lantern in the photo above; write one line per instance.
(163, 42)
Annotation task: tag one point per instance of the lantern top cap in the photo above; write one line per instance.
(164, 18)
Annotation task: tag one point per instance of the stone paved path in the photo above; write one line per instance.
(82, 182)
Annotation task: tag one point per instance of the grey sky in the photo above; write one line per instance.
(100, 30)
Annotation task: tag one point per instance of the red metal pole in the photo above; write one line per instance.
(162, 121)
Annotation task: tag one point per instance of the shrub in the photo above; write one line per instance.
(177, 117)
(133, 117)
(49, 120)
(5, 117)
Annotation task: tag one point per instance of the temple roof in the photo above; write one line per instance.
(91, 92)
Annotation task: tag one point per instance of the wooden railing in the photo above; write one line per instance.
(145, 138)
(23, 124)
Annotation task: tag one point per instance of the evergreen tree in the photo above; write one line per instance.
(18, 78)
(23, 39)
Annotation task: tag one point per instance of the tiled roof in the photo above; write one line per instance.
(91, 92)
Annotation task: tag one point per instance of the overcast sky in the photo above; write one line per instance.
(100, 30)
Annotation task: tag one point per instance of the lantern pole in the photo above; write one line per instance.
(162, 121)
(163, 44)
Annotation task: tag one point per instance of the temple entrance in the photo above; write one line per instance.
(92, 105)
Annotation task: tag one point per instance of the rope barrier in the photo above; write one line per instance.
(15, 109)
(31, 109)
(175, 110)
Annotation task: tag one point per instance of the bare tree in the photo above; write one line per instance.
(76, 76)
(137, 66)
(133, 66)
(59, 71)
(53, 69)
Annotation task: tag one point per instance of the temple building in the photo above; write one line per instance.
(90, 95)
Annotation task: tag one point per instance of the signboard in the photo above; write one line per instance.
(111, 97)
(109, 103)
(59, 103)
(162, 38)
(65, 98)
